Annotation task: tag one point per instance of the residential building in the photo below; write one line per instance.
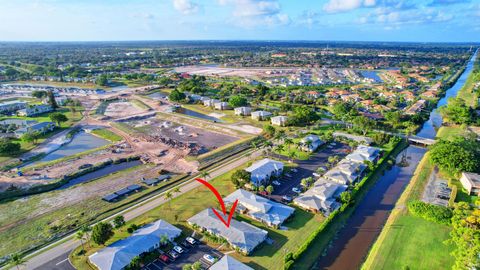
(417, 107)
(210, 102)
(364, 153)
(33, 110)
(221, 106)
(243, 111)
(321, 197)
(261, 115)
(264, 210)
(471, 182)
(240, 235)
(279, 120)
(346, 172)
(19, 123)
(42, 128)
(229, 263)
(310, 143)
(12, 106)
(262, 171)
(146, 239)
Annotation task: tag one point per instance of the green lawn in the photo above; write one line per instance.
(178, 210)
(414, 243)
(107, 135)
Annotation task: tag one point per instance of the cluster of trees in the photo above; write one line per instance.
(458, 112)
(465, 235)
(457, 155)
(177, 96)
(195, 85)
(237, 101)
(303, 115)
(240, 178)
(434, 213)
(8, 147)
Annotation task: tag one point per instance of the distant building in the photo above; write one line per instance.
(261, 115)
(310, 143)
(33, 110)
(471, 182)
(41, 128)
(264, 210)
(210, 102)
(12, 106)
(243, 111)
(261, 171)
(118, 255)
(221, 106)
(279, 120)
(240, 235)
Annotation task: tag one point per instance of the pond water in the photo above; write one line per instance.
(198, 115)
(371, 74)
(101, 172)
(81, 142)
(157, 95)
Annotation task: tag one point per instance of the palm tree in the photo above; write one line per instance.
(261, 188)
(176, 190)
(17, 260)
(86, 230)
(269, 189)
(288, 142)
(308, 144)
(168, 196)
(279, 148)
(164, 239)
(292, 155)
(204, 174)
(79, 235)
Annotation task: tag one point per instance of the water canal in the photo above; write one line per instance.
(349, 249)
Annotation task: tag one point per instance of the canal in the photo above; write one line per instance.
(352, 243)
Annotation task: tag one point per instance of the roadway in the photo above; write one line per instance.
(55, 255)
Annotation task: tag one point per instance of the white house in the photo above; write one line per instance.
(364, 153)
(261, 171)
(243, 111)
(310, 143)
(261, 115)
(42, 128)
(119, 254)
(12, 106)
(35, 110)
(229, 263)
(210, 102)
(346, 172)
(279, 120)
(471, 182)
(221, 106)
(321, 197)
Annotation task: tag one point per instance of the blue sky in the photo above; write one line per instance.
(356, 20)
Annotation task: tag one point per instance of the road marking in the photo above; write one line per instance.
(60, 262)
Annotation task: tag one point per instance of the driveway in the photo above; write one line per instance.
(306, 168)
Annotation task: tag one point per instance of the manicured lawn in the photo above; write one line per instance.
(449, 132)
(179, 209)
(107, 135)
(415, 243)
(299, 154)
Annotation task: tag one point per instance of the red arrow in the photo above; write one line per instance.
(222, 204)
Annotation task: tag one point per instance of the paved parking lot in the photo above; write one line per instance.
(306, 168)
(437, 191)
(189, 256)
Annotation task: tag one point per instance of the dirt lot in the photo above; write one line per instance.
(122, 109)
(178, 134)
(236, 72)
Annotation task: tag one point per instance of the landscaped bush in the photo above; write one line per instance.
(430, 212)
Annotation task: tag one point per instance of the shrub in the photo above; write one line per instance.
(430, 212)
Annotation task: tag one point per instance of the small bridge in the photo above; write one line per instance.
(420, 140)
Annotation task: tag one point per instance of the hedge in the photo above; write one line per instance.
(430, 212)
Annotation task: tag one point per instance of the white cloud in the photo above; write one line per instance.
(250, 13)
(186, 7)
(393, 18)
(346, 5)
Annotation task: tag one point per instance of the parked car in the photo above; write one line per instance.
(209, 258)
(191, 240)
(174, 255)
(316, 174)
(164, 258)
(84, 166)
(276, 183)
(296, 190)
(288, 175)
(178, 249)
(286, 198)
(294, 170)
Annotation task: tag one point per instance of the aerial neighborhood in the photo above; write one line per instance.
(256, 155)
